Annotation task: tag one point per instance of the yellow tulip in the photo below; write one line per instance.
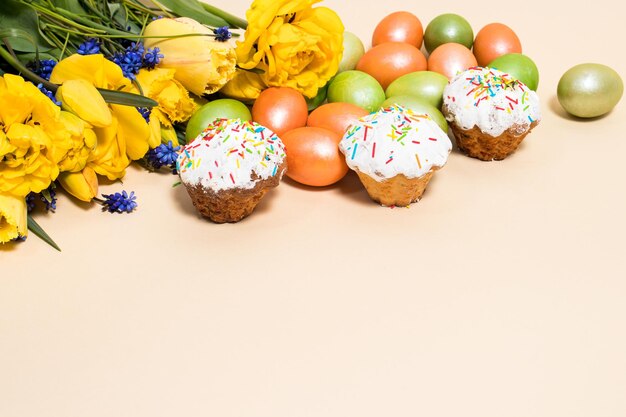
(292, 43)
(159, 84)
(81, 98)
(28, 154)
(82, 185)
(130, 125)
(126, 138)
(109, 158)
(78, 140)
(13, 214)
(155, 132)
(203, 65)
(246, 86)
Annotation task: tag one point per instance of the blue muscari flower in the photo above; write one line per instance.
(48, 94)
(222, 34)
(52, 204)
(90, 47)
(157, 18)
(152, 58)
(119, 202)
(130, 60)
(163, 155)
(30, 202)
(145, 112)
(44, 69)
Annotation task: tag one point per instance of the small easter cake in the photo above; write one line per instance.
(490, 112)
(229, 167)
(395, 153)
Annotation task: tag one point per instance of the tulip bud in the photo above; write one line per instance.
(203, 65)
(82, 185)
(13, 214)
(83, 99)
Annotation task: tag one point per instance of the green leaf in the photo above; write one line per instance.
(119, 15)
(192, 9)
(126, 99)
(232, 20)
(23, 19)
(19, 37)
(34, 227)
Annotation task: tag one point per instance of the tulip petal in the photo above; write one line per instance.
(82, 185)
(132, 130)
(13, 217)
(96, 69)
(109, 158)
(83, 99)
(246, 86)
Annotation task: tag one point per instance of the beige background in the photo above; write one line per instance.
(502, 293)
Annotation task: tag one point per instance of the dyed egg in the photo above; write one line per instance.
(493, 41)
(418, 106)
(336, 116)
(353, 50)
(313, 156)
(448, 28)
(425, 85)
(590, 90)
(399, 27)
(451, 58)
(388, 61)
(225, 108)
(519, 66)
(281, 109)
(358, 88)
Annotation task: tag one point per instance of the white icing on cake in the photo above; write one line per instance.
(394, 141)
(491, 100)
(228, 153)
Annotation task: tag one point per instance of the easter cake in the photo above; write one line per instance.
(229, 167)
(395, 152)
(490, 112)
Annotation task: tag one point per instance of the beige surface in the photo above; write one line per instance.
(501, 293)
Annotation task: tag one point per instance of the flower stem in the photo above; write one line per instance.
(60, 18)
(17, 64)
(94, 25)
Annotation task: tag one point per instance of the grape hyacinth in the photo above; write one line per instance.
(90, 47)
(48, 94)
(163, 155)
(30, 202)
(145, 112)
(119, 202)
(151, 58)
(136, 57)
(51, 203)
(222, 34)
(130, 60)
(44, 69)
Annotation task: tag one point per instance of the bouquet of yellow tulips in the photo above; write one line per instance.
(88, 86)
